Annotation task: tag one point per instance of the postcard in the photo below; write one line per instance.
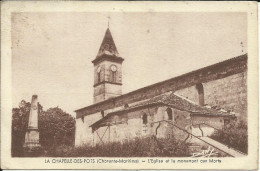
(129, 85)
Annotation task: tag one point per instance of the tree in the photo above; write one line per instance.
(235, 136)
(19, 124)
(55, 126)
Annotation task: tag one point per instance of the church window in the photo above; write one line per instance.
(99, 74)
(113, 69)
(226, 123)
(126, 106)
(113, 76)
(99, 77)
(200, 90)
(103, 114)
(82, 118)
(145, 119)
(169, 113)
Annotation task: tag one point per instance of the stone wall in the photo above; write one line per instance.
(205, 130)
(128, 126)
(229, 93)
(83, 133)
(108, 86)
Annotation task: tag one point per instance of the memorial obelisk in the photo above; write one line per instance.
(32, 133)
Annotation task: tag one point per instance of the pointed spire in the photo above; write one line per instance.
(108, 46)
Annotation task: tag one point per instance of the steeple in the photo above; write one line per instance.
(108, 46)
(107, 70)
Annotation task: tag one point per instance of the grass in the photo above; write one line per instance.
(139, 147)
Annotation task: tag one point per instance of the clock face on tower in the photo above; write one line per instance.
(113, 68)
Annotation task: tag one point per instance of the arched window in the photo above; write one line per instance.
(113, 78)
(82, 118)
(200, 90)
(169, 113)
(113, 69)
(99, 77)
(144, 119)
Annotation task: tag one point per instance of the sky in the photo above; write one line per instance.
(52, 52)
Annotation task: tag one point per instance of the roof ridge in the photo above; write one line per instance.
(185, 98)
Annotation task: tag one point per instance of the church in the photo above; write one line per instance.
(190, 105)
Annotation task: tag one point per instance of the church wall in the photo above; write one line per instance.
(213, 121)
(83, 133)
(102, 72)
(99, 90)
(105, 90)
(108, 72)
(190, 93)
(112, 90)
(130, 125)
(127, 126)
(229, 93)
(99, 98)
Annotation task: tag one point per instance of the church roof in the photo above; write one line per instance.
(173, 100)
(108, 46)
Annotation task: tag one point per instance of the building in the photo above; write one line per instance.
(192, 104)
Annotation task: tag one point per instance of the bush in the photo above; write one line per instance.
(139, 147)
(32, 152)
(234, 136)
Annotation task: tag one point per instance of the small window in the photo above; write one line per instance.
(113, 69)
(169, 113)
(144, 119)
(103, 114)
(82, 118)
(200, 90)
(226, 122)
(99, 77)
(113, 76)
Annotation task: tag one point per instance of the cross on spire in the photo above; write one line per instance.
(242, 46)
(108, 46)
(108, 18)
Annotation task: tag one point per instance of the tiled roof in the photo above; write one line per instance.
(181, 103)
(173, 100)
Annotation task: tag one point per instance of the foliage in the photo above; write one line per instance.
(19, 124)
(32, 152)
(139, 147)
(235, 136)
(55, 125)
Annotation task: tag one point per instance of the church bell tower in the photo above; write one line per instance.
(107, 70)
